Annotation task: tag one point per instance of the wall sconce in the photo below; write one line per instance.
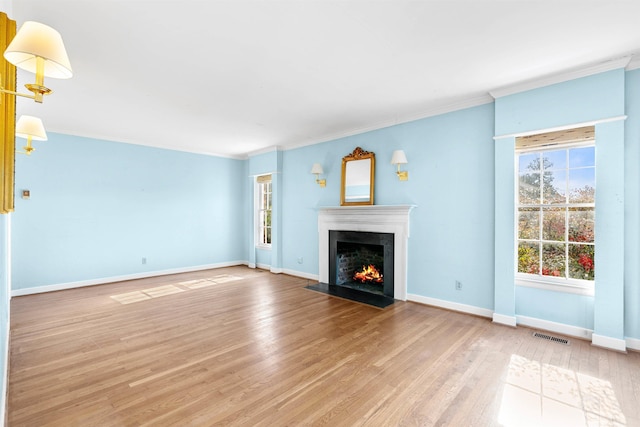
(317, 170)
(399, 158)
(38, 49)
(31, 128)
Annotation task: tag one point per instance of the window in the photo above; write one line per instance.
(263, 212)
(556, 208)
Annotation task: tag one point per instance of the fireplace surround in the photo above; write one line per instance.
(377, 219)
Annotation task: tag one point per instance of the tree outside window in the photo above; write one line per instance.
(264, 210)
(556, 213)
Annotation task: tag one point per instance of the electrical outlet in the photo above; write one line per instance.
(144, 260)
(458, 285)
(300, 260)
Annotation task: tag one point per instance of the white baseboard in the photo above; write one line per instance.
(504, 320)
(455, 306)
(314, 277)
(633, 344)
(608, 342)
(104, 280)
(559, 328)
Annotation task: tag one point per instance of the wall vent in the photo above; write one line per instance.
(551, 338)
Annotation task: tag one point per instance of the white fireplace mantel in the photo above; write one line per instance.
(375, 218)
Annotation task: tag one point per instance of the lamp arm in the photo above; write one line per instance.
(38, 88)
(10, 92)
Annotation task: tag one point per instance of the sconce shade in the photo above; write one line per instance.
(317, 168)
(29, 126)
(38, 40)
(398, 158)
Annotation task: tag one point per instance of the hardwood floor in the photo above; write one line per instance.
(237, 346)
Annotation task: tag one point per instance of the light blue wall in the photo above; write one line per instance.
(97, 208)
(632, 206)
(450, 180)
(301, 198)
(609, 230)
(558, 307)
(592, 98)
(576, 101)
(504, 260)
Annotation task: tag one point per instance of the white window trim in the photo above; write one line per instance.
(256, 217)
(549, 283)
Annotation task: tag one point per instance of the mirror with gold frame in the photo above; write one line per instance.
(358, 171)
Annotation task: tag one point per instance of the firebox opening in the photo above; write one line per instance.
(362, 260)
(360, 266)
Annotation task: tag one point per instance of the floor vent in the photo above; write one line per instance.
(550, 338)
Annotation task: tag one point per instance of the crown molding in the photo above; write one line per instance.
(435, 110)
(104, 138)
(562, 77)
(264, 150)
(634, 64)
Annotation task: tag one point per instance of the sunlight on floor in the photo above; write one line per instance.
(161, 291)
(544, 395)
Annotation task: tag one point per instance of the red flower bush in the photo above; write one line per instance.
(586, 262)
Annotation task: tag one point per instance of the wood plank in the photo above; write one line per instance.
(255, 349)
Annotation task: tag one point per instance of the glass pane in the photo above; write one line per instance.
(529, 224)
(529, 162)
(528, 258)
(581, 225)
(579, 157)
(582, 184)
(555, 187)
(554, 160)
(581, 262)
(553, 224)
(529, 188)
(553, 259)
(268, 238)
(263, 199)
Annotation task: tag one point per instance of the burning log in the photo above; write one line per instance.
(368, 274)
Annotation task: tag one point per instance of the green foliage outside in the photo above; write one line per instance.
(553, 239)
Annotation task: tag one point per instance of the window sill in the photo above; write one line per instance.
(551, 285)
(264, 247)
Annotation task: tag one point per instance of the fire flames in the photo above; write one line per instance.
(368, 274)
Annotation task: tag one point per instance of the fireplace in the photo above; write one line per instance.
(362, 260)
(393, 220)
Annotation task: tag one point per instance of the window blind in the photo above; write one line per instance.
(263, 179)
(549, 139)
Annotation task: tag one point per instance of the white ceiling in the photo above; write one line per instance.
(235, 77)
